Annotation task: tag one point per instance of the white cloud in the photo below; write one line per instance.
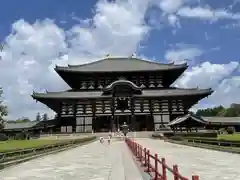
(170, 6)
(226, 93)
(215, 76)
(173, 20)
(185, 8)
(229, 88)
(182, 54)
(32, 50)
(206, 13)
(206, 75)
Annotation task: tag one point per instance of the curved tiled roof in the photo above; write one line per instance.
(122, 82)
(19, 125)
(181, 119)
(120, 65)
(28, 125)
(145, 93)
(216, 119)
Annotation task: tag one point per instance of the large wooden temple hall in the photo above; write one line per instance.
(106, 93)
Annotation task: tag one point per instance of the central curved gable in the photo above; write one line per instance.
(122, 85)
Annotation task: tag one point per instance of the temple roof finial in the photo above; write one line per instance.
(107, 55)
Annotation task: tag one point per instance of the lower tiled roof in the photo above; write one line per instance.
(222, 119)
(19, 125)
(28, 125)
(98, 94)
(186, 117)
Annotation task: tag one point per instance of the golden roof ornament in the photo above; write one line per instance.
(133, 55)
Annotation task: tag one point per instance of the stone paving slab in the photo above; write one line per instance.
(94, 161)
(131, 170)
(208, 164)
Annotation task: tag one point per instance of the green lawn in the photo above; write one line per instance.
(230, 137)
(227, 137)
(21, 144)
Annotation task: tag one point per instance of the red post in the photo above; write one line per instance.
(195, 177)
(145, 156)
(138, 150)
(164, 170)
(134, 148)
(148, 161)
(156, 167)
(141, 154)
(175, 172)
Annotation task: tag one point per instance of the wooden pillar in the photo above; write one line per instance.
(112, 112)
(75, 115)
(133, 118)
(170, 109)
(151, 115)
(60, 117)
(60, 110)
(162, 120)
(177, 104)
(141, 105)
(93, 108)
(84, 109)
(103, 107)
(160, 106)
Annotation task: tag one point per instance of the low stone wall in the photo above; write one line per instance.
(15, 157)
(228, 149)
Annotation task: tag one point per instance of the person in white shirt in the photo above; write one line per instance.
(101, 140)
(109, 139)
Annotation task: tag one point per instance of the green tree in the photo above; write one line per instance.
(230, 112)
(3, 110)
(219, 111)
(38, 117)
(23, 119)
(45, 117)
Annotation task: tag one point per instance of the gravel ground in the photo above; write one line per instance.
(94, 161)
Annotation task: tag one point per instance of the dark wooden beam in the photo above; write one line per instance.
(112, 112)
(132, 105)
(141, 106)
(150, 106)
(75, 108)
(94, 108)
(84, 109)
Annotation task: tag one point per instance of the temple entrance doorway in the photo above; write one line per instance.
(144, 123)
(101, 124)
(119, 121)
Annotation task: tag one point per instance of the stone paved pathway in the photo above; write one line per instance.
(209, 165)
(90, 162)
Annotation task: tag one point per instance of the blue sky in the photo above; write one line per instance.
(192, 32)
(204, 32)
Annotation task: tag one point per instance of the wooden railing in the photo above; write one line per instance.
(156, 167)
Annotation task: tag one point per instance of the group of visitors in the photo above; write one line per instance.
(108, 139)
(124, 131)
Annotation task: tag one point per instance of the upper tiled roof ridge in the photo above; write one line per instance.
(195, 88)
(122, 59)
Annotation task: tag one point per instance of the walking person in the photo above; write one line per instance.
(109, 139)
(125, 129)
(101, 140)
